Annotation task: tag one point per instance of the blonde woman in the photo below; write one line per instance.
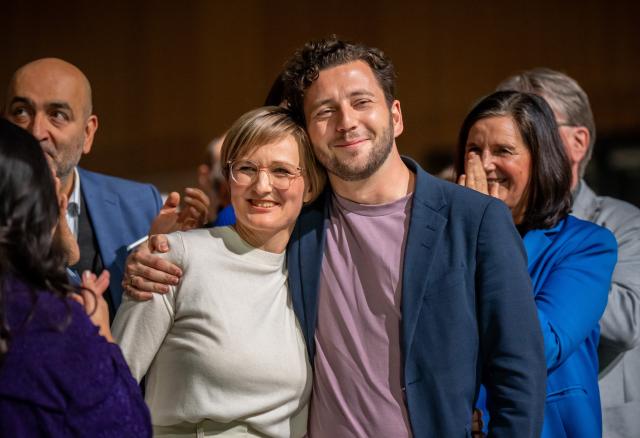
(223, 351)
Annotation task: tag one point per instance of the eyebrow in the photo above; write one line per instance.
(273, 163)
(320, 103)
(20, 99)
(60, 105)
(355, 93)
(50, 105)
(358, 93)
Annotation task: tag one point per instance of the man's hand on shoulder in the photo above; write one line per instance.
(147, 273)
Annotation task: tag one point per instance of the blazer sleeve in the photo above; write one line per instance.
(513, 366)
(620, 324)
(157, 199)
(141, 326)
(573, 295)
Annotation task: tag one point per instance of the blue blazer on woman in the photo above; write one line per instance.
(570, 267)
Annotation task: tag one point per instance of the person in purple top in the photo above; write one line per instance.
(60, 375)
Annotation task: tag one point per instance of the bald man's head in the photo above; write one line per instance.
(51, 98)
(54, 69)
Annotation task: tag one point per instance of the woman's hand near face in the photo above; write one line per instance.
(475, 177)
(94, 304)
(64, 236)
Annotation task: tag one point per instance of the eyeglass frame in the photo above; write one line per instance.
(265, 169)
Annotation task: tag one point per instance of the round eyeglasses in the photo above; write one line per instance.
(245, 173)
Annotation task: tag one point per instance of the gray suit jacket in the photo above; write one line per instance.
(619, 350)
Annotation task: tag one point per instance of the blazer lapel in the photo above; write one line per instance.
(106, 217)
(536, 243)
(305, 254)
(425, 231)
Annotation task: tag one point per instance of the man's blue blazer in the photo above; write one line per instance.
(121, 212)
(468, 314)
(571, 266)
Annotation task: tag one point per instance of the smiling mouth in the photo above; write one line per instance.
(349, 143)
(262, 204)
(496, 180)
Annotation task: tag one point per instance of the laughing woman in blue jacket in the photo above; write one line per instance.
(509, 147)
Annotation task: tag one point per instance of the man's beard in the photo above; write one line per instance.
(66, 161)
(64, 169)
(377, 156)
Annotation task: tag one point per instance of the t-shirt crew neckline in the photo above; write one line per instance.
(372, 209)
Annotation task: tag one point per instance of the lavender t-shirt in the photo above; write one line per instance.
(357, 386)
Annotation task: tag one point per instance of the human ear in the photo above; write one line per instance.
(90, 128)
(396, 118)
(576, 142)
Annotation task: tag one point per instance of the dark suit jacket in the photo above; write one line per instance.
(468, 314)
(121, 212)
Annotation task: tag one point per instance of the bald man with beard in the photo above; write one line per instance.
(52, 99)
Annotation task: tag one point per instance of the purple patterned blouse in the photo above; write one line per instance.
(64, 382)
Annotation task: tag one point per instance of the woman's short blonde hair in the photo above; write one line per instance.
(266, 125)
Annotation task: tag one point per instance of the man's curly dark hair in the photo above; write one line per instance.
(305, 65)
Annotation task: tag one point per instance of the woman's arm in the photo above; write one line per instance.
(573, 296)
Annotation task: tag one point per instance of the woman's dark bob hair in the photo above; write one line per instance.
(549, 188)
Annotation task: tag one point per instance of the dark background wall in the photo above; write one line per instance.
(168, 76)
